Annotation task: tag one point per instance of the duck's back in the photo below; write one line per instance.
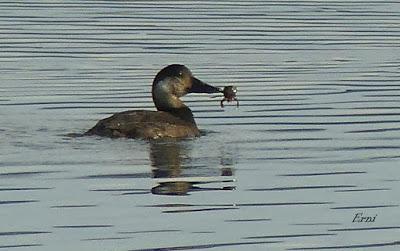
(145, 125)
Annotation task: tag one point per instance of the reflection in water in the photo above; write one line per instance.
(176, 173)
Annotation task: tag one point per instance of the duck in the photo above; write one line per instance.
(173, 119)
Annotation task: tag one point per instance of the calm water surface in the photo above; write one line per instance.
(314, 143)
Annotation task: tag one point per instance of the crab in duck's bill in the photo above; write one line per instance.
(229, 95)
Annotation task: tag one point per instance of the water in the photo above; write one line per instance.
(313, 144)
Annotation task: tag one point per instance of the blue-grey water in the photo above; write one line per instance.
(313, 146)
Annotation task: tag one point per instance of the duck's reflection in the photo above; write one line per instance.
(178, 173)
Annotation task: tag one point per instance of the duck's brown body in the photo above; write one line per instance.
(144, 125)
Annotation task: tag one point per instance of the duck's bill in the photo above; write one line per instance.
(199, 86)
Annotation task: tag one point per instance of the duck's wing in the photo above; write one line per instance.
(145, 125)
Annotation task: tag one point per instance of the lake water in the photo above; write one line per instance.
(313, 147)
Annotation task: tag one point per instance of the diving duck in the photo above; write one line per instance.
(173, 119)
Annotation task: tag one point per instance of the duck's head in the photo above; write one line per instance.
(173, 82)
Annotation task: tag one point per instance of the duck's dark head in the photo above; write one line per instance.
(173, 82)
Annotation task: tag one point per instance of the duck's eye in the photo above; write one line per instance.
(180, 73)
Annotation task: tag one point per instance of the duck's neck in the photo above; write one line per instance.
(165, 101)
(183, 113)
